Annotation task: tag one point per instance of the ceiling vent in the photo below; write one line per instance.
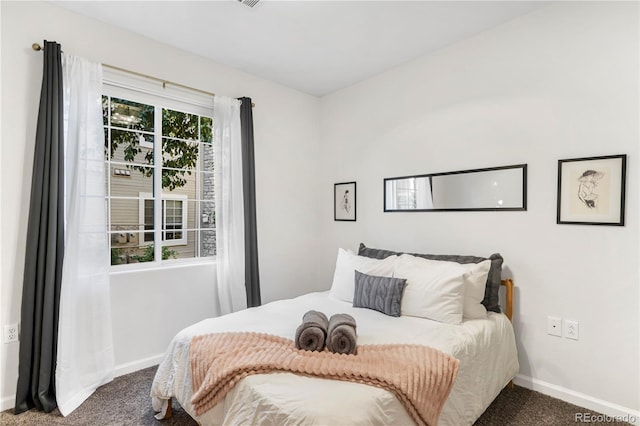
(249, 3)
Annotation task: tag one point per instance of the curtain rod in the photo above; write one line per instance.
(37, 48)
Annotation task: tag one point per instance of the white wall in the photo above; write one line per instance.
(559, 83)
(150, 307)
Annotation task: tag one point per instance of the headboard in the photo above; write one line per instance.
(508, 309)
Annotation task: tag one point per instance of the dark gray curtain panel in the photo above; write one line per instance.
(252, 275)
(45, 248)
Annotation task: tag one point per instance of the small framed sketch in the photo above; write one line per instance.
(344, 201)
(591, 190)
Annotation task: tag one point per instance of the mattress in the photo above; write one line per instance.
(485, 348)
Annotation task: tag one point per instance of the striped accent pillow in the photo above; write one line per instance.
(382, 294)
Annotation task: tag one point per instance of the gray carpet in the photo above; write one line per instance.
(125, 401)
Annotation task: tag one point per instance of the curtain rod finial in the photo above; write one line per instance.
(36, 47)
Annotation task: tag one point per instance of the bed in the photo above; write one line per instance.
(485, 348)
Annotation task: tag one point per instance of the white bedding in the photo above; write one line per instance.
(486, 350)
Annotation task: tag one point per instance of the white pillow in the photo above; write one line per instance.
(474, 287)
(344, 277)
(435, 289)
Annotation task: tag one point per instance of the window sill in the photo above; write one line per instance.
(163, 265)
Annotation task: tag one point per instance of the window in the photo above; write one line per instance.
(174, 218)
(159, 177)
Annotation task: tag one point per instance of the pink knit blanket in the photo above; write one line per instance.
(419, 376)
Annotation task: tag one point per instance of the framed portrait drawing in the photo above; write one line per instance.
(591, 190)
(344, 201)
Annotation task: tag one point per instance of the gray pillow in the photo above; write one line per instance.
(491, 299)
(383, 294)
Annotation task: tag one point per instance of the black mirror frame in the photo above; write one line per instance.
(488, 169)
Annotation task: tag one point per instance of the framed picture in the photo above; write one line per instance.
(344, 201)
(591, 190)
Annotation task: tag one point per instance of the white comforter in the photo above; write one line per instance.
(486, 350)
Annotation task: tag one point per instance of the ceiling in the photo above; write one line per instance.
(316, 47)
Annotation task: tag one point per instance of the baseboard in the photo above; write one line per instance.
(579, 399)
(137, 365)
(7, 402)
(122, 369)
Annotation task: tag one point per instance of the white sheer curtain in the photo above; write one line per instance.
(229, 205)
(85, 343)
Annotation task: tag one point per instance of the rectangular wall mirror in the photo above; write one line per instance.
(491, 189)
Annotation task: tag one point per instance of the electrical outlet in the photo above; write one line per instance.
(571, 329)
(11, 333)
(554, 326)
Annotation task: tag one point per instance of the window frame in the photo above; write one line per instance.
(125, 86)
(146, 196)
